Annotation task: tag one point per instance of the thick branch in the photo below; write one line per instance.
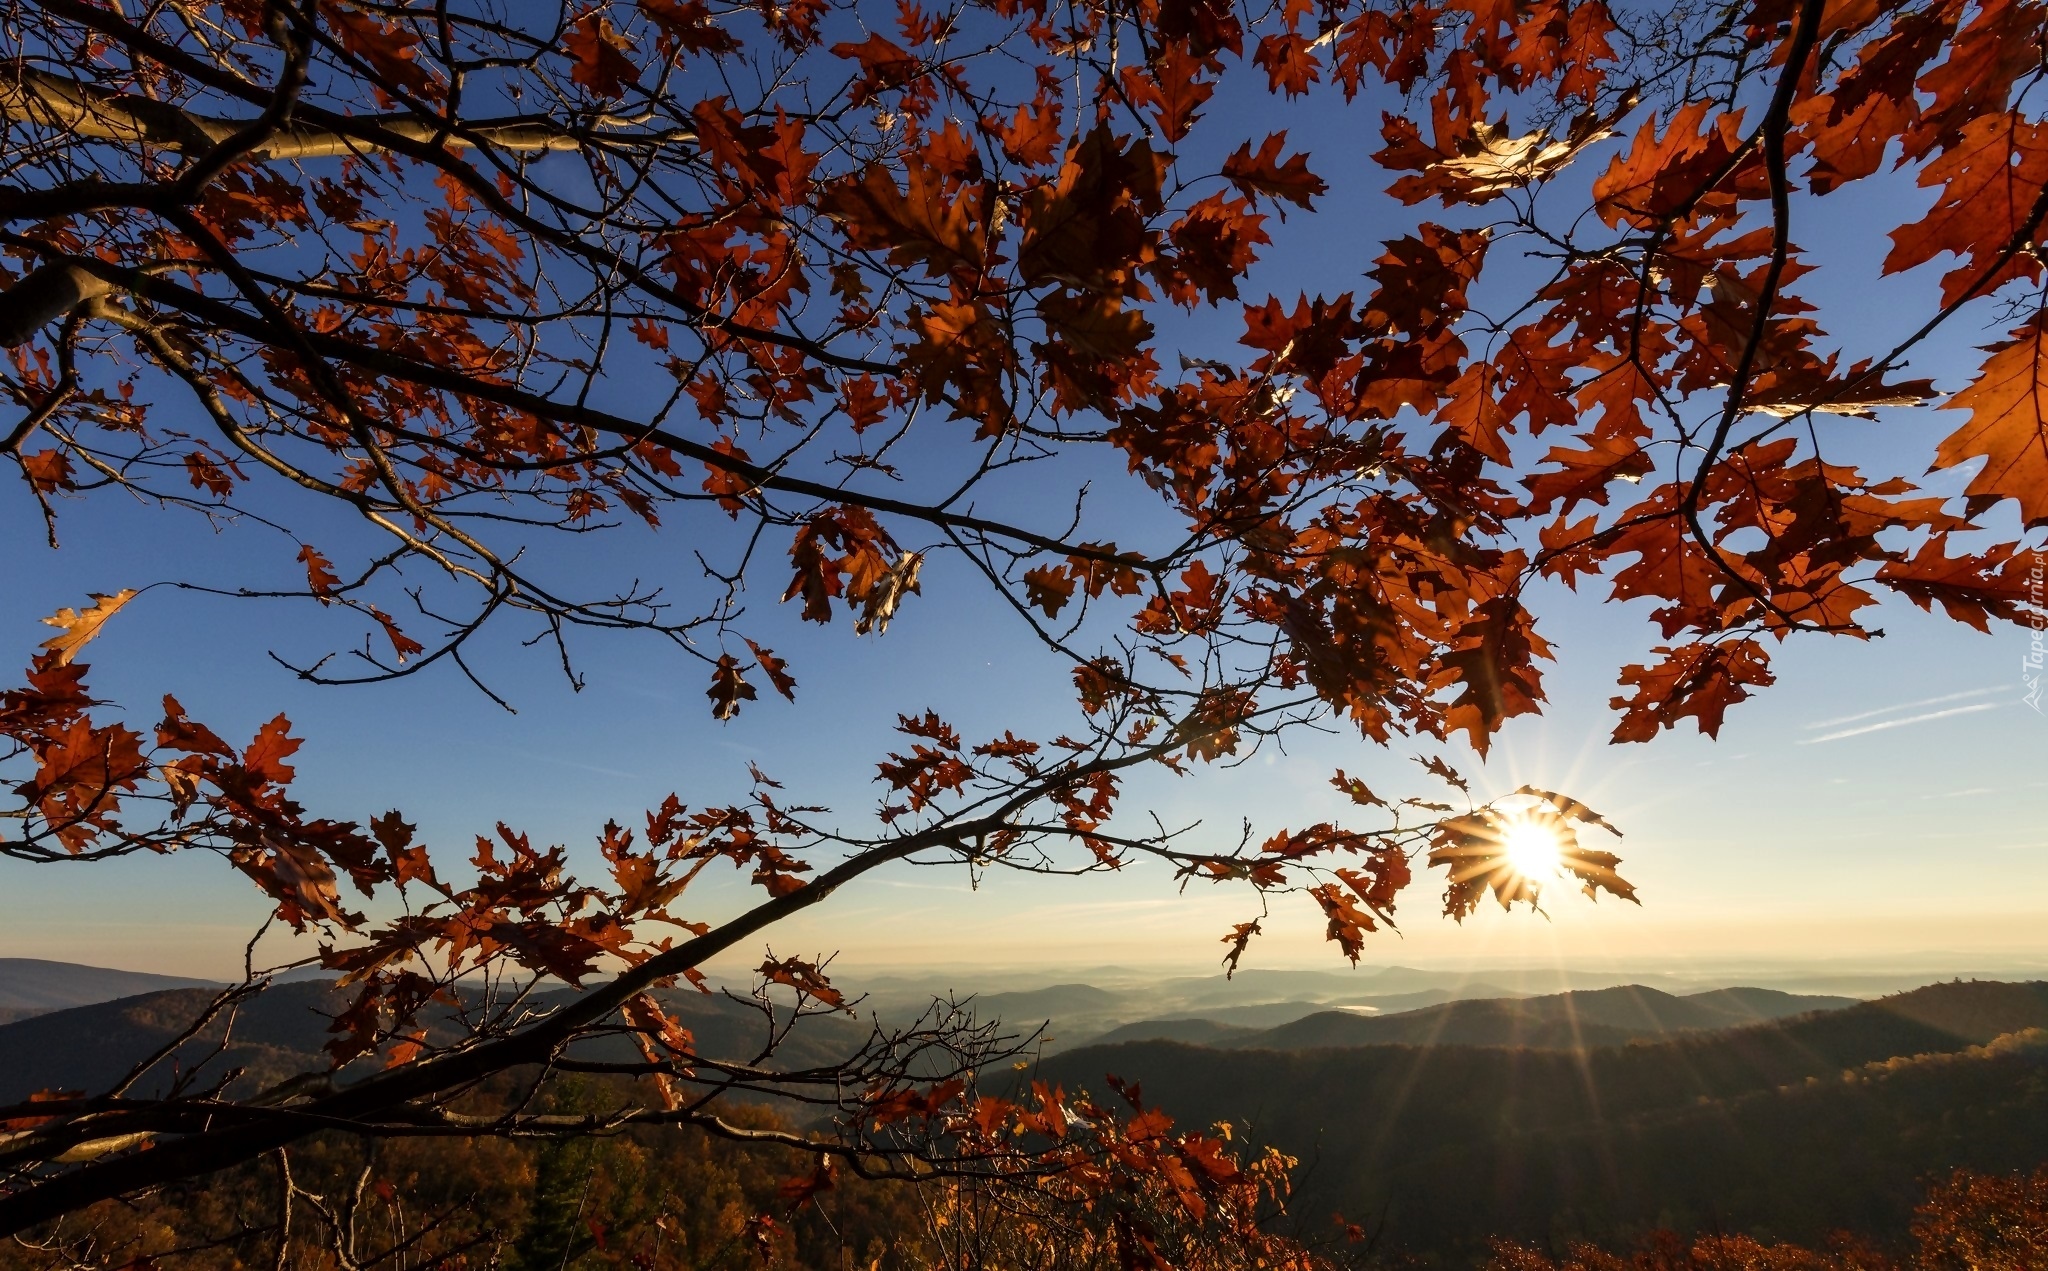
(49, 293)
(87, 110)
(205, 1152)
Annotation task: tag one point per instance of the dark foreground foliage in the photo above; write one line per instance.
(1972, 1222)
(645, 1201)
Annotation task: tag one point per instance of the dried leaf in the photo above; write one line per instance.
(80, 626)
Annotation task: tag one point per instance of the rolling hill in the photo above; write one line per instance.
(33, 986)
(1595, 1017)
(1786, 1128)
(281, 1032)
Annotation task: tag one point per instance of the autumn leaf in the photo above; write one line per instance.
(1048, 587)
(1493, 161)
(402, 645)
(1263, 174)
(409, 860)
(646, 1015)
(48, 471)
(864, 401)
(686, 26)
(1174, 91)
(802, 1190)
(1584, 475)
(883, 63)
(775, 669)
(320, 576)
(728, 688)
(2008, 426)
(1356, 791)
(406, 1049)
(599, 53)
(1239, 939)
(1483, 852)
(1664, 171)
(920, 221)
(1697, 681)
(80, 626)
(879, 603)
(265, 757)
(1970, 589)
(1290, 62)
(1474, 413)
(1471, 160)
(807, 978)
(1992, 181)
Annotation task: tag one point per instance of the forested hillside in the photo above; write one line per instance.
(280, 1031)
(1788, 1129)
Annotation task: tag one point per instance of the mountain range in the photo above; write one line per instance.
(281, 1031)
(1591, 1017)
(1589, 1114)
(1787, 1129)
(32, 986)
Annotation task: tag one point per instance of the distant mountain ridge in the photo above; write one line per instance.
(1558, 1021)
(282, 1031)
(33, 986)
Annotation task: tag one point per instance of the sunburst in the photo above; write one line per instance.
(1533, 848)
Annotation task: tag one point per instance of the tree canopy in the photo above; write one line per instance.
(825, 290)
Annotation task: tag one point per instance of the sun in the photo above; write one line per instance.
(1532, 848)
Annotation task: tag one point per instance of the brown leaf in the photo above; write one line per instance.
(320, 575)
(728, 688)
(1048, 587)
(776, 669)
(1264, 174)
(80, 626)
(2008, 425)
(888, 591)
(599, 52)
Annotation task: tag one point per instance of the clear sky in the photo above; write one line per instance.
(1883, 805)
(1884, 802)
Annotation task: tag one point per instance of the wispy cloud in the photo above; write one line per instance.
(1899, 723)
(1839, 720)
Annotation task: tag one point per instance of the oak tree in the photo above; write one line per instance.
(832, 289)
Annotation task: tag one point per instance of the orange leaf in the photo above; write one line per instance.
(2008, 425)
(320, 575)
(80, 626)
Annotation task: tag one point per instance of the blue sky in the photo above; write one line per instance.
(1883, 802)
(1882, 805)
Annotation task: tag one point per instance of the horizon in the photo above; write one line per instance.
(1931, 966)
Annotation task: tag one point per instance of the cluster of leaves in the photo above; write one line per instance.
(380, 285)
(888, 269)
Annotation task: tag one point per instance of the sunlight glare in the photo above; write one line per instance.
(1532, 849)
